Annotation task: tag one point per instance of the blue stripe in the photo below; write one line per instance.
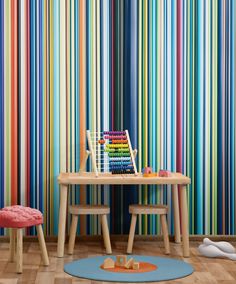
(2, 107)
(199, 146)
(232, 116)
(220, 129)
(41, 180)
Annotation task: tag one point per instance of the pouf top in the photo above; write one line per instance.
(18, 216)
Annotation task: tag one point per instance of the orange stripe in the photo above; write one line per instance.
(14, 85)
(82, 55)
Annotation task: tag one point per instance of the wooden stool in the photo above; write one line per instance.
(148, 209)
(89, 210)
(16, 218)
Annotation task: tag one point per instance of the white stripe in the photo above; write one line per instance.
(106, 76)
(62, 85)
(168, 116)
(68, 84)
(98, 78)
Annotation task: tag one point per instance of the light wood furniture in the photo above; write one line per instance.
(65, 179)
(139, 209)
(16, 247)
(77, 210)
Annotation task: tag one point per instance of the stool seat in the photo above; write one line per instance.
(18, 216)
(89, 209)
(148, 209)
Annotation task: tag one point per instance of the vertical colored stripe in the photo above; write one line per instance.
(164, 70)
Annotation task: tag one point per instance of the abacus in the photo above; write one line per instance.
(111, 152)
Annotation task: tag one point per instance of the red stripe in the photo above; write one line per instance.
(14, 109)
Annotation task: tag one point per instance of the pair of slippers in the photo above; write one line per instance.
(217, 249)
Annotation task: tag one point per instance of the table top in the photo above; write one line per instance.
(108, 178)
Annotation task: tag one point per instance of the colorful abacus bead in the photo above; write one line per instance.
(109, 150)
(120, 154)
(101, 141)
(114, 132)
(123, 150)
(112, 137)
(119, 141)
(120, 159)
(117, 146)
(120, 163)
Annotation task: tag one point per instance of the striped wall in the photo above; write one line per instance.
(164, 70)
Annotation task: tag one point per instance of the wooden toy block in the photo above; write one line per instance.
(136, 265)
(164, 173)
(129, 263)
(150, 175)
(121, 260)
(108, 263)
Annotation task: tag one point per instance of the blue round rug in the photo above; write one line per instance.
(167, 269)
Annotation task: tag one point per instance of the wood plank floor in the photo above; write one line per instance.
(206, 270)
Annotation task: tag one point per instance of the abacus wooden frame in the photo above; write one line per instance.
(91, 153)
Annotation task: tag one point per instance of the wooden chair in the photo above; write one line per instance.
(102, 210)
(161, 210)
(16, 218)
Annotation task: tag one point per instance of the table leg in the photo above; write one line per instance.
(184, 220)
(175, 200)
(62, 220)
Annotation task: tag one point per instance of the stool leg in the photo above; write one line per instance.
(106, 235)
(73, 228)
(19, 250)
(12, 244)
(165, 233)
(42, 245)
(131, 233)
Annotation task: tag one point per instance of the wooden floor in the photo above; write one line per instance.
(206, 270)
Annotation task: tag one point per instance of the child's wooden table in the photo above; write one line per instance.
(65, 179)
